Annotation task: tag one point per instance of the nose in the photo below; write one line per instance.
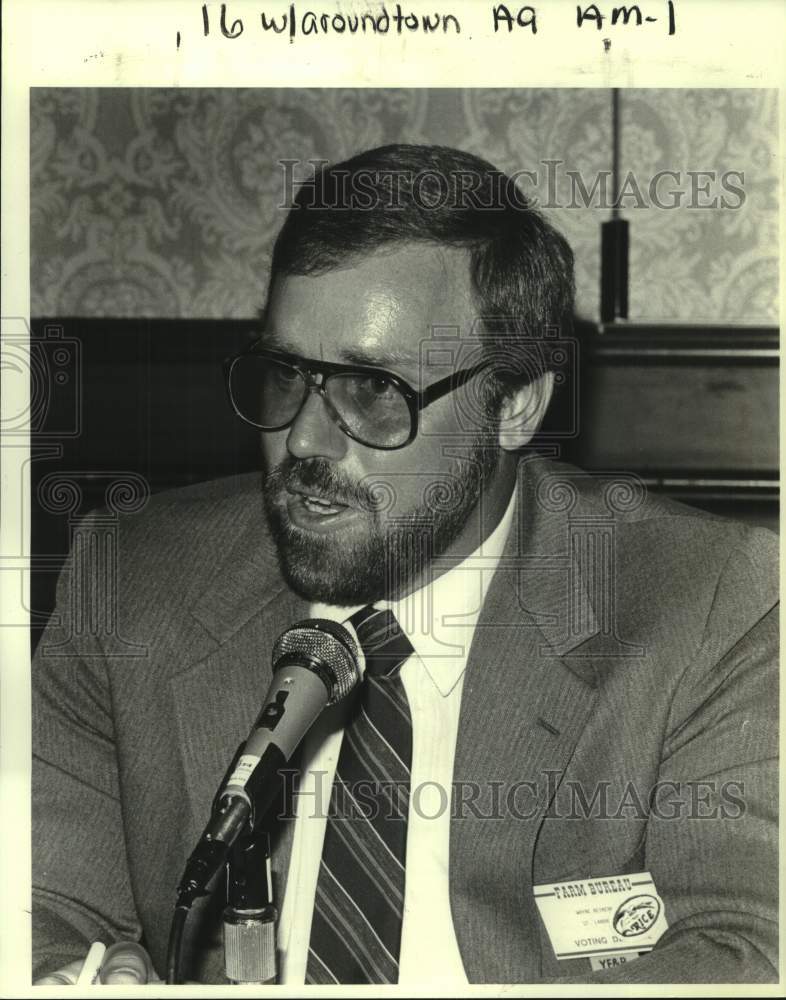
(314, 432)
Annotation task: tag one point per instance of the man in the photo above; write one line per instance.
(587, 683)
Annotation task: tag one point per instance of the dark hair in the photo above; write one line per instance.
(521, 267)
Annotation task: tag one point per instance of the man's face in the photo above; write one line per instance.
(354, 524)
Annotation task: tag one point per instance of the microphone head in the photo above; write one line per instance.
(328, 648)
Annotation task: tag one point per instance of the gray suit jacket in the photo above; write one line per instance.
(624, 642)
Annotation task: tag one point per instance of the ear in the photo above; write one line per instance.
(522, 413)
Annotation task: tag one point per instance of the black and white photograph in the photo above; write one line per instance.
(398, 511)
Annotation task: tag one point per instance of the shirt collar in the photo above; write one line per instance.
(440, 618)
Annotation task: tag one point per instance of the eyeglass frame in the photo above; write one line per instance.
(310, 368)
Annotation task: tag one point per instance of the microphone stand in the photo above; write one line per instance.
(250, 916)
(233, 841)
(315, 664)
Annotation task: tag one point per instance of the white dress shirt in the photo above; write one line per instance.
(439, 621)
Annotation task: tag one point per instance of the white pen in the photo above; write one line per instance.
(92, 964)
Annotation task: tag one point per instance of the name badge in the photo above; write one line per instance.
(611, 921)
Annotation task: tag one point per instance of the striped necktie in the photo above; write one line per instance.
(359, 903)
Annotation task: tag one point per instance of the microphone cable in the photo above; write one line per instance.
(175, 944)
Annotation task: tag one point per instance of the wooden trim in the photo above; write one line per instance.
(753, 489)
(681, 344)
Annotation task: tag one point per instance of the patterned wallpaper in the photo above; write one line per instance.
(166, 202)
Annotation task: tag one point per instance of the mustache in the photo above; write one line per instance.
(320, 476)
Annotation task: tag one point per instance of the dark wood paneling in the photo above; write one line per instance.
(151, 398)
(692, 410)
(696, 416)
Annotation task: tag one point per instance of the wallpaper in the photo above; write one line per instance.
(165, 203)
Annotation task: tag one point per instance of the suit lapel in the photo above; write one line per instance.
(524, 705)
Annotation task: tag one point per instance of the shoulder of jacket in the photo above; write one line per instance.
(676, 545)
(186, 531)
(206, 505)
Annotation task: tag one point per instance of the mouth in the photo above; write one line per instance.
(318, 503)
(316, 512)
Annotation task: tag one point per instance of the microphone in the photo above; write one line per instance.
(315, 664)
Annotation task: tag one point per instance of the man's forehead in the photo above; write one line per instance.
(384, 284)
(388, 301)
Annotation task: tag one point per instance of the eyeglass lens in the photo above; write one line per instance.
(270, 393)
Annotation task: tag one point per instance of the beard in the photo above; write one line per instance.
(381, 555)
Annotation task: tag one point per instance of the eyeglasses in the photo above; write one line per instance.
(371, 405)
